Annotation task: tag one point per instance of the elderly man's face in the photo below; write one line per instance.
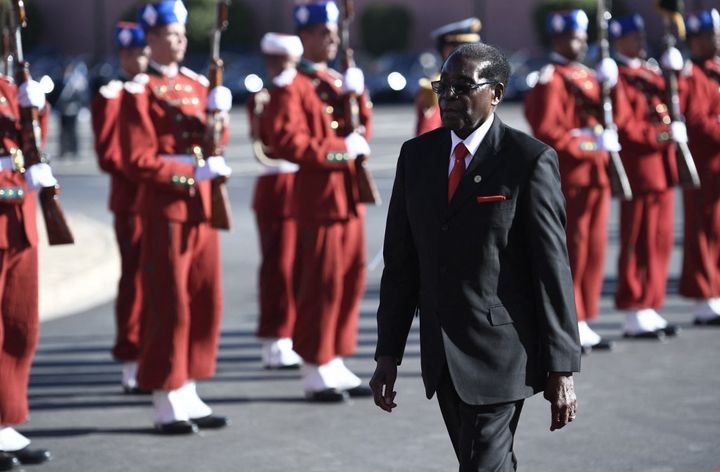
(464, 111)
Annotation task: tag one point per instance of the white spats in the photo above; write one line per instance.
(334, 374)
(11, 440)
(588, 337)
(278, 353)
(180, 404)
(129, 375)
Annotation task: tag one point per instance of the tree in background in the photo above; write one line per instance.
(541, 11)
(385, 28)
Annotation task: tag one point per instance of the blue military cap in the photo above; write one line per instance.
(162, 13)
(561, 22)
(309, 14)
(626, 25)
(706, 20)
(129, 35)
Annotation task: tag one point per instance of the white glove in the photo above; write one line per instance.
(354, 81)
(679, 132)
(215, 166)
(608, 141)
(607, 71)
(31, 94)
(219, 99)
(672, 59)
(39, 176)
(356, 145)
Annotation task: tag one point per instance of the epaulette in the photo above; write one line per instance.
(134, 87)
(284, 78)
(111, 90)
(688, 69)
(141, 78)
(546, 73)
(195, 76)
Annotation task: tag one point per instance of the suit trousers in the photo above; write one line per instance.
(182, 303)
(646, 241)
(19, 328)
(278, 237)
(587, 218)
(700, 277)
(128, 305)
(482, 435)
(330, 283)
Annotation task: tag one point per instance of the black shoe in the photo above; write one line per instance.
(359, 391)
(671, 330)
(135, 391)
(329, 395)
(176, 428)
(8, 461)
(211, 422)
(29, 456)
(603, 345)
(282, 367)
(710, 322)
(658, 335)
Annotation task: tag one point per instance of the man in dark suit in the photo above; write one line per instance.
(475, 242)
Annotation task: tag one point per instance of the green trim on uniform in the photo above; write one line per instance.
(183, 181)
(11, 193)
(588, 146)
(337, 157)
(663, 136)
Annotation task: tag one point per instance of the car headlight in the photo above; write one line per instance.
(253, 83)
(396, 81)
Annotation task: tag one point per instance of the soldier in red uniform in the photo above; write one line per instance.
(105, 107)
(272, 202)
(19, 317)
(700, 277)
(447, 38)
(564, 110)
(162, 125)
(648, 154)
(309, 129)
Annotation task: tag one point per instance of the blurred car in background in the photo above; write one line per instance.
(525, 72)
(244, 74)
(395, 77)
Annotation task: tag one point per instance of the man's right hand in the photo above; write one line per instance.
(383, 382)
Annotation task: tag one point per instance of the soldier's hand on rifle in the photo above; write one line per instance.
(31, 94)
(607, 71)
(608, 140)
(219, 99)
(679, 132)
(672, 59)
(356, 145)
(354, 81)
(39, 176)
(215, 166)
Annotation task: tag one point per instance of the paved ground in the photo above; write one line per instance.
(650, 407)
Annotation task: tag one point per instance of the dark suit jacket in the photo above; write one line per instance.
(490, 278)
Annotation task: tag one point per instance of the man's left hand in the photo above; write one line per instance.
(560, 392)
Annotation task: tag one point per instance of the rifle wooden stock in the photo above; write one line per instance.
(58, 231)
(367, 189)
(619, 183)
(219, 199)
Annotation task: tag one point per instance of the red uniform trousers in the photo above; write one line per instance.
(587, 215)
(701, 251)
(278, 238)
(646, 241)
(330, 285)
(128, 305)
(19, 328)
(183, 303)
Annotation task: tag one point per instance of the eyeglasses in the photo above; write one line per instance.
(460, 88)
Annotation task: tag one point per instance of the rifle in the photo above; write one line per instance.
(220, 203)
(58, 230)
(619, 183)
(687, 172)
(367, 190)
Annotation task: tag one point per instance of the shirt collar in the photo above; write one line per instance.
(169, 70)
(473, 141)
(631, 62)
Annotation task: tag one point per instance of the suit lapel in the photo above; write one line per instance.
(439, 156)
(483, 163)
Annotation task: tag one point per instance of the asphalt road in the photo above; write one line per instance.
(648, 406)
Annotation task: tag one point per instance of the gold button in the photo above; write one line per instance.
(188, 88)
(334, 124)
(666, 119)
(587, 85)
(163, 88)
(191, 181)
(195, 101)
(329, 109)
(185, 101)
(178, 87)
(661, 108)
(338, 83)
(3, 100)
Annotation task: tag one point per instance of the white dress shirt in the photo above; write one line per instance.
(472, 142)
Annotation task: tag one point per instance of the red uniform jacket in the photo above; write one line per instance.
(648, 151)
(105, 108)
(427, 110)
(304, 132)
(166, 116)
(701, 100)
(18, 226)
(565, 102)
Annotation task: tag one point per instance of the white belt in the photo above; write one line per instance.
(6, 163)
(181, 158)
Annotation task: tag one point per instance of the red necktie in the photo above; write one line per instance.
(460, 153)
